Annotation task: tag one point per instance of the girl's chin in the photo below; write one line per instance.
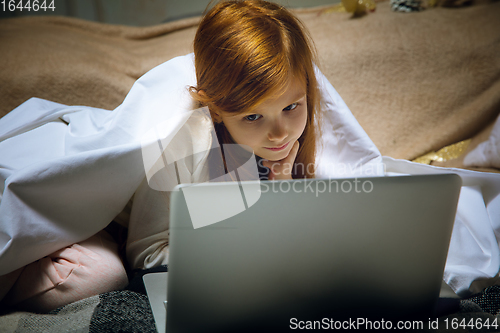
(275, 156)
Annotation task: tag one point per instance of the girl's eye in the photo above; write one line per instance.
(291, 107)
(253, 117)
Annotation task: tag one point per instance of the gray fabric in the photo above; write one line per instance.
(488, 300)
(75, 317)
(469, 306)
(123, 311)
(116, 311)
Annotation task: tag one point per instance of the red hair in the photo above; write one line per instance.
(248, 51)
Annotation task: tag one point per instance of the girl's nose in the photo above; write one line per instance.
(278, 132)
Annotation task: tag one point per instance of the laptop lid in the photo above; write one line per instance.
(307, 250)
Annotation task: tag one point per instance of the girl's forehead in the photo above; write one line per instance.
(294, 90)
(290, 92)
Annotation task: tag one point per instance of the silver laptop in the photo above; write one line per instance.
(296, 252)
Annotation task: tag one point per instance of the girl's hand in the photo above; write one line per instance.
(282, 169)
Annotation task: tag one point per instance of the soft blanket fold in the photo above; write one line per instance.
(56, 162)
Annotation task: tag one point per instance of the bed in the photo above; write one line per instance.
(425, 86)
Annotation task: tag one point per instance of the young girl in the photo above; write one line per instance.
(254, 70)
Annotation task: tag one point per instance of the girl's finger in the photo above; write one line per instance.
(293, 154)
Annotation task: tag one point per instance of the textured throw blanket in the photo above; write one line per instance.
(416, 82)
(117, 311)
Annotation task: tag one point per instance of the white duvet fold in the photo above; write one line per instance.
(487, 153)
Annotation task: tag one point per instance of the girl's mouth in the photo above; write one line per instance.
(278, 148)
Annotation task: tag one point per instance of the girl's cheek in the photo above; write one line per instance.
(254, 137)
(247, 137)
(300, 121)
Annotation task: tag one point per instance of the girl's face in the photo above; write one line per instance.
(272, 128)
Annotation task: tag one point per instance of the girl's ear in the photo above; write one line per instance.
(202, 93)
(216, 116)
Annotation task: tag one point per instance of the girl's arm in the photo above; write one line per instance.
(147, 242)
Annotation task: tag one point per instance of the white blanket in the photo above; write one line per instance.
(487, 153)
(69, 170)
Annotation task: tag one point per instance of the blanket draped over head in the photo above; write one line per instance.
(67, 171)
